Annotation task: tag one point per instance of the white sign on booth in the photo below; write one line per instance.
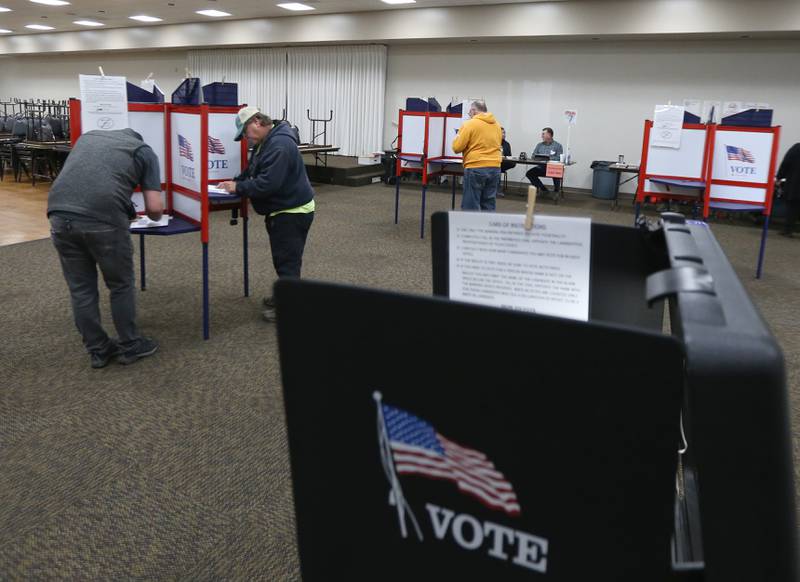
(224, 154)
(185, 148)
(104, 102)
(685, 162)
(743, 156)
(493, 260)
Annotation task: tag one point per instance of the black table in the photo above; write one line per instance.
(557, 192)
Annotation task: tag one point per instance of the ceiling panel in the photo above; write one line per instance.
(116, 13)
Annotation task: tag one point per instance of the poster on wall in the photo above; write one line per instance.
(224, 154)
(186, 153)
(667, 126)
(104, 102)
(571, 116)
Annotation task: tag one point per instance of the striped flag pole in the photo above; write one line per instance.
(396, 496)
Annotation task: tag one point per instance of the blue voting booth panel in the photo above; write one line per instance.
(221, 94)
(749, 118)
(187, 93)
(417, 104)
(138, 95)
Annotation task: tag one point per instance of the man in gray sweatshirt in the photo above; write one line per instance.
(90, 209)
(547, 148)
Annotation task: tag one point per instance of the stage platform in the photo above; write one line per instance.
(342, 171)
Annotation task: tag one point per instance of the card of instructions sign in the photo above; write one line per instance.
(493, 260)
(104, 102)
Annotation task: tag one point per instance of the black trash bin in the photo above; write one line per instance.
(605, 182)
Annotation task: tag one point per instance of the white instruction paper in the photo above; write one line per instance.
(145, 222)
(667, 126)
(104, 103)
(493, 260)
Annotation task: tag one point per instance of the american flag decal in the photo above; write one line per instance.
(418, 449)
(185, 148)
(215, 146)
(740, 154)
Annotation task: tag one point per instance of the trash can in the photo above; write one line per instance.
(605, 182)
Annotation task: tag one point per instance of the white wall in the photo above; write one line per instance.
(613, 85)
(56, 76)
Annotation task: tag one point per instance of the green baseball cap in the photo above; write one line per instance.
(245, 114)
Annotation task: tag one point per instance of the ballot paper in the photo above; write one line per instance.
(145, 222)
(215, 190)
(667, 126)
(493, 260)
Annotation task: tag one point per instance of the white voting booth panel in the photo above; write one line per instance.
(435, 130)
(685, 161)
(738, 193)
(187, 206)
(413, 133)
(186, 153)
(150, 125)
(451, 127)
(224, 154)
(745, 157)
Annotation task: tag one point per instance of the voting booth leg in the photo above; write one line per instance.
(396, 199)
(141, 262)
(453, 199)
(763, 246)
(245, 257)
(205, 291)
(422, 212)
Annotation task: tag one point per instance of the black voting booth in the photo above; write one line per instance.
(579, 421)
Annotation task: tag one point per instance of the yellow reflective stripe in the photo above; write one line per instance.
(306, 208)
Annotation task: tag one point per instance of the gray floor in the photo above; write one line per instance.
(177, 467)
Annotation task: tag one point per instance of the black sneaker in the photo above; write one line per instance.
(145, 347)
(270, 315)
(101, 358)
(268, 302)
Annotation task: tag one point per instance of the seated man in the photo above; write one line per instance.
(553, 150)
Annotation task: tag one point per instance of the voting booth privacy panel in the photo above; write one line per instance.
(425, 147)
(729, 168)
(421, 447)
(176, 134)
(715, 164)
(195, 149)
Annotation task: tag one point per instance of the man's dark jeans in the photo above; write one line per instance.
(480, 188)
(83, 244)
(287, 239)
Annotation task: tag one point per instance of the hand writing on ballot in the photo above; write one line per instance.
(229, 186)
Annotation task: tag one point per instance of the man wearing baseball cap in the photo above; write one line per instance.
(277, 185)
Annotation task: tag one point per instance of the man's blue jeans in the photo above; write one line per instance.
(480, 188)
(83, 245)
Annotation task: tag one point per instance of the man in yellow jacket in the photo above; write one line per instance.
(479, 140)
